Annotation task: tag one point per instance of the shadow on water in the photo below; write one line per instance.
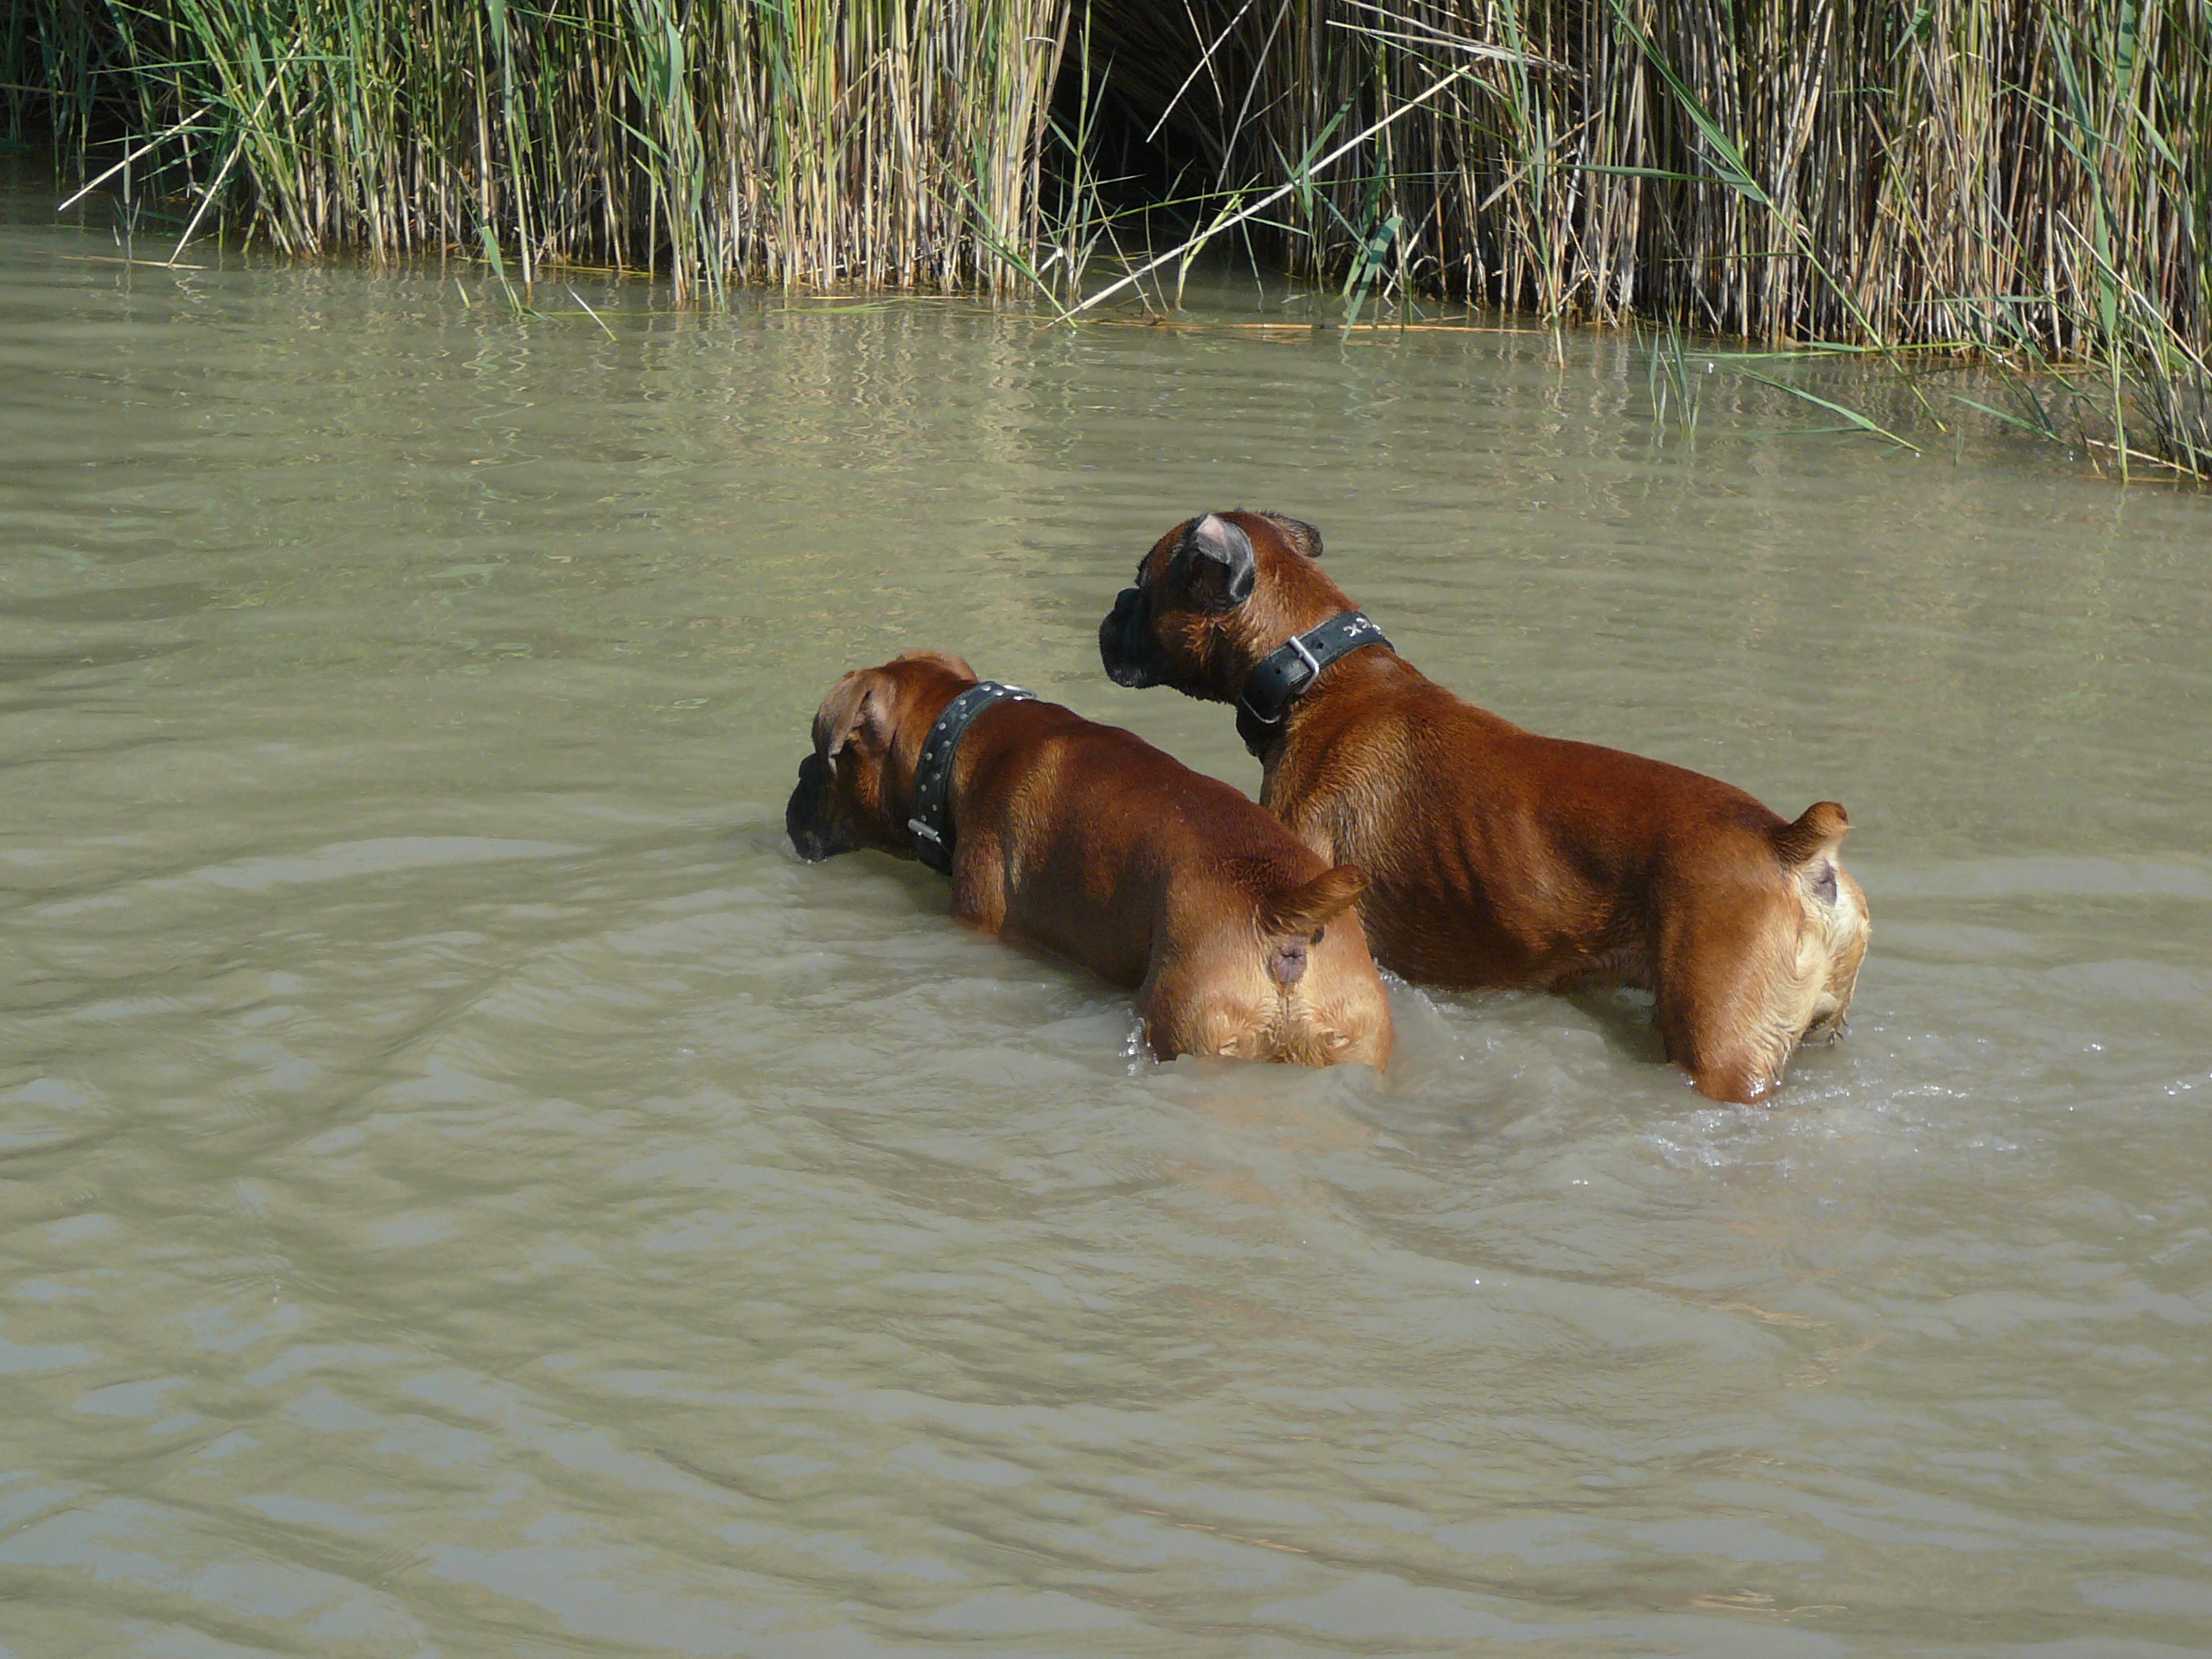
(1624, 1016)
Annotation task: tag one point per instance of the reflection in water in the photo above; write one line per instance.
(469, 1189)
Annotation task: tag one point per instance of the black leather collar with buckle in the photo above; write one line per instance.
(931, 827)
(1287, 673)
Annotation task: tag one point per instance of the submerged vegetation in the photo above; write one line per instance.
(2029, 180)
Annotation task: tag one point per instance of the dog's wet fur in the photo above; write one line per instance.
(1239, 939)
(1495, 858)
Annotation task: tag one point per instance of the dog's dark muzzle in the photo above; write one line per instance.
(1125, 643)
(803, 813)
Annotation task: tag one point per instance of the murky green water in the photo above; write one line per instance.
(464, 1188)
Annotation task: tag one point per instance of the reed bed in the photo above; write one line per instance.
(881, 142)
(1963, 171)
(2026, 180)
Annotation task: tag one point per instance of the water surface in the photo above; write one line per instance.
(464, 1188)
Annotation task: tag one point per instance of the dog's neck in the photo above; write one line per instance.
(1275, 614)
(1265, 738)
(930, 772)
(904, 758)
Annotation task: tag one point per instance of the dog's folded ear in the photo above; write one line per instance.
(1824, 824)
(856, 711)
(1302, 536)
(1223, 565)
(1308, 909)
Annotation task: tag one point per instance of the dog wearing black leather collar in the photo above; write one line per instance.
(1495, 856)
(1084, 839)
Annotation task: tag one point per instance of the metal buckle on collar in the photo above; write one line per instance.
(1295, 644)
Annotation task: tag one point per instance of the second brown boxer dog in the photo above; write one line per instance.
(1084, 839)
(1495, 858)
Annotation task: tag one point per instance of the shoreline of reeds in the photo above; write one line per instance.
(2030, 180)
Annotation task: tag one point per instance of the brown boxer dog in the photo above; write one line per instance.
(1084, 839)
(1495, 858)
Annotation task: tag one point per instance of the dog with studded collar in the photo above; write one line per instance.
(1496, 857)
(1085, 840)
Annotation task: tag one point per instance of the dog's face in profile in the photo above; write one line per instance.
(1215, 594)
(842, 802)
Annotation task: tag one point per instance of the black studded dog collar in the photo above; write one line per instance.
(931, 826)
(1286, 673)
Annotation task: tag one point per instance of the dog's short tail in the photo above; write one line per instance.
(1824, 824)
(1314, 905)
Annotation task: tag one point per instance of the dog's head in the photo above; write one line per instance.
(852, 787)
(1214, 596)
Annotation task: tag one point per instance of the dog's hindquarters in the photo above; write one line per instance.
(1085, 840)
(1745, 973)
(1834, 909)
(1848, 928)
(1330, 1004)
(1287, 976)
